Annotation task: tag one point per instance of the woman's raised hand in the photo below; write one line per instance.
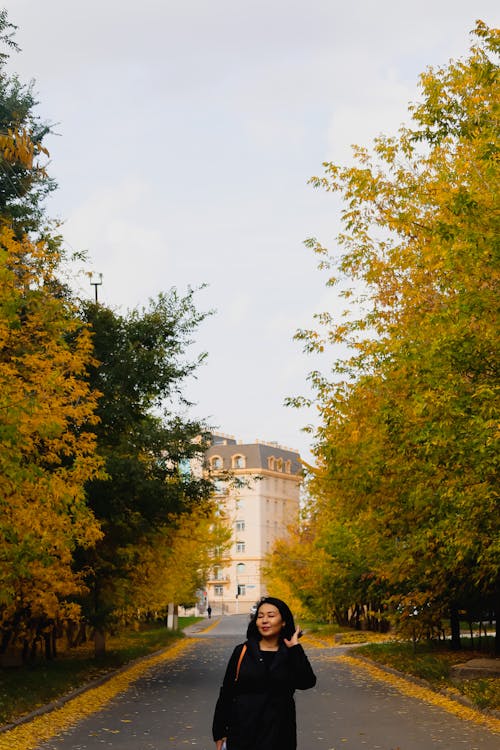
(292, 642)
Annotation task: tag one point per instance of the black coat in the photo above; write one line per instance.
(257, 712)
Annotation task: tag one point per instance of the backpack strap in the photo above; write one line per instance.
(242, 654)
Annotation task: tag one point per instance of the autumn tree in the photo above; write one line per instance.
(47, 451)
(407, 450)
(146, 447)
(173, 565)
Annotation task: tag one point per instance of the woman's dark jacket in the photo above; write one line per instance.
(257, 712)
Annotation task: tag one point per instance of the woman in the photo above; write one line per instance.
(256, 709)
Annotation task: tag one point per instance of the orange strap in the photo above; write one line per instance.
(242, 654)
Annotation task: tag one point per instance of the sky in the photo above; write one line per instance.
(185, 133)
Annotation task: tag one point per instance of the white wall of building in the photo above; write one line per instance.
(259, 512)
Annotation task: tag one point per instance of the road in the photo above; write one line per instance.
(172, 705)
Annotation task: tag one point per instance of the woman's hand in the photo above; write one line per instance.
(219, 743)
(292, 642)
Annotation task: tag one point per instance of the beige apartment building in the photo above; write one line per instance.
(260, 500)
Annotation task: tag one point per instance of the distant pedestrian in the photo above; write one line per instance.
(209, 611)
(256, 709)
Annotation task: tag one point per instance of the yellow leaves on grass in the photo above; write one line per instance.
(424, 694)
(30, 735)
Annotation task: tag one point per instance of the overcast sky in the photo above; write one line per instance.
(186, 133)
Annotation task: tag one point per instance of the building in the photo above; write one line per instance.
(258, 486)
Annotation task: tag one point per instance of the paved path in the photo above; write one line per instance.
(171, 707)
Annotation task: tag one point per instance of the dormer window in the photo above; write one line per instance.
(271, 463)
(216, 462)
(239, 462)
(279, 464)
(288, 467)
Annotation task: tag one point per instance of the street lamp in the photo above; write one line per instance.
(95, 281)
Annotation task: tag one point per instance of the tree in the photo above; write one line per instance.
(172, 566)
(146, 447)
(407, 450)
(47, 451)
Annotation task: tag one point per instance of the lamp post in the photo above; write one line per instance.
(95, 281)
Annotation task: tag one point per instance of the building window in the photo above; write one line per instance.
(216, 462)
(219, 590)
(240, 569)
(242, 589)
(218, 574)
(240, 525)
(270, 463)
(288, 467)
(219, 487)
(240, 546)
(239, 462)
(279, 464)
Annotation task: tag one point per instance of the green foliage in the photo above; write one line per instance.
(425, 661)
(484, 693)
(145, 446)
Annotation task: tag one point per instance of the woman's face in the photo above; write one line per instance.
(269, 621)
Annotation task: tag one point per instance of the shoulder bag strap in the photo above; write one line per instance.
(242, 654)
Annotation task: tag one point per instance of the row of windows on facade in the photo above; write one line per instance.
(241, 590)
(239, 462)
(219, 576)
(240, 525)
(273, 486)
(241, 546)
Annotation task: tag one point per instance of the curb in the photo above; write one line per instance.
(67, 697)
(201, 627)
(446, 692)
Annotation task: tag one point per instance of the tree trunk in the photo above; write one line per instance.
(99, 642)
(47, 645)
(456, 644)
(172, 616)
(497, 631)
(82, 634)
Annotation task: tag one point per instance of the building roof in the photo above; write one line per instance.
(256, 454)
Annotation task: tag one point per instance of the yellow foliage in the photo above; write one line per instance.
(406, 489)
(171, 566)
(47, 451)
(17, 146)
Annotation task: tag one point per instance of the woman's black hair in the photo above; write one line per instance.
(284, 610)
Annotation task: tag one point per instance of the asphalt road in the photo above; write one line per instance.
(172, 706)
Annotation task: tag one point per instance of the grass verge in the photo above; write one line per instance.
(321, 634)
(432, 662)
(24, 689)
